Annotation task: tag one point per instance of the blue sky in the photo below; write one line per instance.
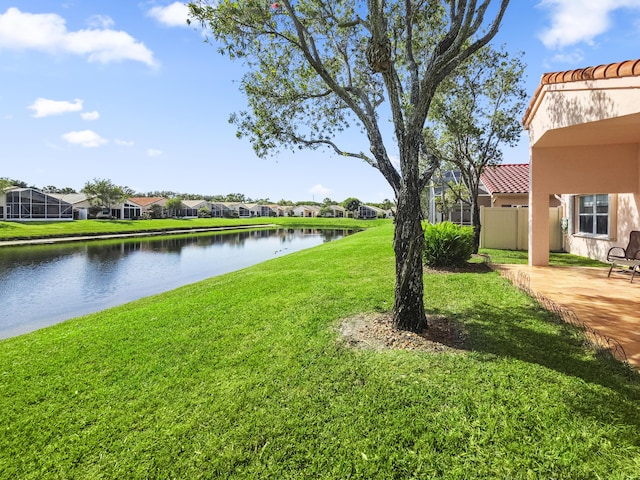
(124, 90)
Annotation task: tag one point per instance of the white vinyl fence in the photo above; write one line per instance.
(508, 228)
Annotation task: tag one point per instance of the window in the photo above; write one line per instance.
(593, 214)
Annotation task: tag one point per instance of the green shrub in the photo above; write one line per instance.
(204, 212)
(447, 245)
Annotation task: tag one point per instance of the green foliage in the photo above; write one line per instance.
(4, 184)
(94, 210)
(325, 212)
(452, 194)
(12, 182)
(316, 69)
(204, 212)
(351, 204)
(54, 189)
(557, 259)
(156, 211)
(476, 111)
(243, 376)
(105, 193)
(447, 245)
(173, 205)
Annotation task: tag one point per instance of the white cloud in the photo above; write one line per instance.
(576, 21)
(174, 15)
(319, 190)
(48, 32)
(100, 21)
(570, 58)
(90, 115)
(85, 138)
(154, 152)
(44, 107)
(124, 143)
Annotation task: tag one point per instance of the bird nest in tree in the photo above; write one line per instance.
(379, 55)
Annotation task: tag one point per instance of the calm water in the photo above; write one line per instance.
(43, 285)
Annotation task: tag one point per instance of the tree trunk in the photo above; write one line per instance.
(408, 309)
(475, 221)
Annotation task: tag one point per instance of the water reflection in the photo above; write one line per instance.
(45, 284)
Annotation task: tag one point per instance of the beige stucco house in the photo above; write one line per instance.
(306, 211)
(584, 133)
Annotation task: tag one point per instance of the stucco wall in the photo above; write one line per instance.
(626, 219)
(500, 200)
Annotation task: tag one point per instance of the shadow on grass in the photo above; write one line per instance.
(516, 333)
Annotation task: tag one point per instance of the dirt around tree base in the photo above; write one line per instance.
(375, 332)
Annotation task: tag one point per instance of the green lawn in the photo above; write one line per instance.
(29, 230)
(242, 376)
(556, 259)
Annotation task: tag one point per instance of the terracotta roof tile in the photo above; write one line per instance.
(145, 201)
(627, 68)
(506, 178)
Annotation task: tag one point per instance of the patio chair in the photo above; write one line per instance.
(626, 259)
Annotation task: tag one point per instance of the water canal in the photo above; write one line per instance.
(46, 284)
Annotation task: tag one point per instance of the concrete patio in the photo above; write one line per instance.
(611, 306)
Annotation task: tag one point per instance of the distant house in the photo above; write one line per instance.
(503, 185)
(368, 212)
(306, 211)
(337, 211)
(23, 204)
(460, 212)
(259, 210)
(127, 210)
(192, 207)
(285, 210)
(80, 202)
(508, 186)
(217, 209)
(235, 210)
(145, 204)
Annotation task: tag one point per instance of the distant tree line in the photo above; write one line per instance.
(112, 193)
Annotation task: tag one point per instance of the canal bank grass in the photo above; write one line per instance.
(244, 376)
(35, 230)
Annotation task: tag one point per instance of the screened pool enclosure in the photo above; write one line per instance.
(30, 204)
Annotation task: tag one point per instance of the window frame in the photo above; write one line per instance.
(594, 215)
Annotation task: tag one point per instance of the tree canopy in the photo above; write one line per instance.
(105, 193)
(173, 205)
(317, 70)
(475, 112)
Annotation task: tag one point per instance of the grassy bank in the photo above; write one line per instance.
(32, 230)
(242, 376)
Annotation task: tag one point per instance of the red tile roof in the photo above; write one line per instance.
(628, 68)
(506, 178)
(145, 201)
